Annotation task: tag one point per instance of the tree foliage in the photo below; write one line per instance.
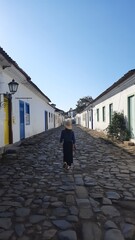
(82, 103)
(117, 128)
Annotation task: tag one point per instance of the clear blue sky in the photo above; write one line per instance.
(70, 48)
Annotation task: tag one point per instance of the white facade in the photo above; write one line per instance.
(118, 100)
(85, 118)
(82, 118)
(120, 97)
(78, 118)
(37, 115)
(59, 119)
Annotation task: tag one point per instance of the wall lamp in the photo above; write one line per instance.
(13, 86)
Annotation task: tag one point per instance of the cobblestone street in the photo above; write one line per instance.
(95, 200)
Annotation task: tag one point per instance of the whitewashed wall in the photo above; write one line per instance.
(119, 99)
(84, 119)
(59, 119)
(37, 113)
(38, 105)
(118, 96)
(90, 118)
(78, 118)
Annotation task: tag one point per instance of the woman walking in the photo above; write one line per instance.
(68, 139)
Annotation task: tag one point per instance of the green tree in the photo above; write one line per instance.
(82, 103)
(117, 128)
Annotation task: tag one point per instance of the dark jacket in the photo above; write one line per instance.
(67, 136)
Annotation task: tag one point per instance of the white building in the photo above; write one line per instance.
(59, 117)
(120, 97)
(85, 118)
(28, 112)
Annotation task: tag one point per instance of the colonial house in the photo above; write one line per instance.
(71, 113)
(59, 117)
(85, 118)
(120, 97)
(26, 112)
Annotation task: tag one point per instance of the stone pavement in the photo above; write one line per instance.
(95, 200)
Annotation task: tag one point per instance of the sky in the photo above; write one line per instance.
(70, 48)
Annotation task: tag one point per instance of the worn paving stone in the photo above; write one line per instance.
(110, 211)
(72, 218)
(68, 235)
(95, 198)
(19, 229)
(85, 203)
(60, 212)
(62, 224)
(5, 223)
(113, 195)
(22, 212)
(49, 234)
(113, 234)
(36, 218)
(91, 231)
(85, 213)
(128, 231)
(110, 225)
(81, 192)
(70, 200)
(6, 234)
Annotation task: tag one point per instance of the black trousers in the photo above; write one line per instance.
(68, 153)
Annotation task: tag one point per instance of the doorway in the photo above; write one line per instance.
(22, 122)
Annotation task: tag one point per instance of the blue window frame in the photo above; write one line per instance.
(27, 113)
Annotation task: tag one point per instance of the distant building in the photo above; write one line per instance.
(71, 113)
(59, 117)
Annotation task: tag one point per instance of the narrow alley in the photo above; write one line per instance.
(94, 200)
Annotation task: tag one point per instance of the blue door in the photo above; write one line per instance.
(22, 126)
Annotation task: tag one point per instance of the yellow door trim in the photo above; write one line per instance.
(6, 121)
